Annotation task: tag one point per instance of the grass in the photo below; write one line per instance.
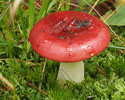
(104, 74)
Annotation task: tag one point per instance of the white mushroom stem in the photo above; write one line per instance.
(71, 71)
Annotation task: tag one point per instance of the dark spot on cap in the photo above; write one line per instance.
(53, 34)
(61, 37)
(69, 43)
(85, 38)
(81, 23)
(85, 23)
(44, 31)
(67, 37)
(76, 37)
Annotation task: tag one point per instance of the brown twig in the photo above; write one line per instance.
(61, 4)
(37, 88)
(44, 66)
(37, 4)
(101, 71)
(18, 60)
(4, 87)
(10, 85)
(93, 6)
(20, 28)
(122, 51)
(113, 12)
(76, 5)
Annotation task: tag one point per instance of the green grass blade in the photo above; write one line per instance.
(9, 42)
(22, 24)
(2, 15)
(51, 4)
(3, 42)
(31, 14)
(116, 47)
(43, 9)
(62, 5)
(67, 5)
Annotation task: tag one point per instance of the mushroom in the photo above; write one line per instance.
(69, 37)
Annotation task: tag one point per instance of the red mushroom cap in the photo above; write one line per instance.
(69, 36)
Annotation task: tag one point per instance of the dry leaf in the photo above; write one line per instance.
(14, 8)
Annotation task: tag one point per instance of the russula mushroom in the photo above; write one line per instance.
(69, 37)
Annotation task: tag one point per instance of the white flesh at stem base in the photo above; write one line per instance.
(73, 72)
